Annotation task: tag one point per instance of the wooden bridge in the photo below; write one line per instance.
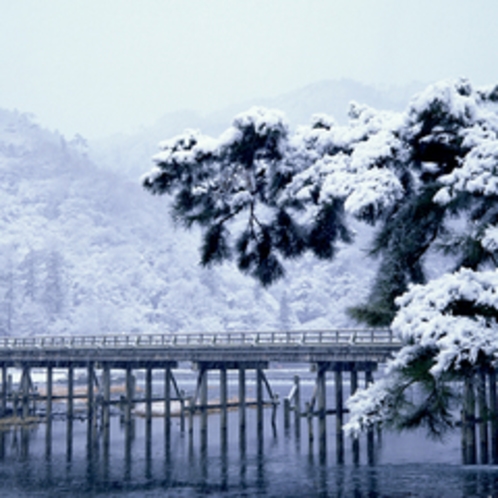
(351, 351)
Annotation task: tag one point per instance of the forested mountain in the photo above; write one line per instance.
(86, 250)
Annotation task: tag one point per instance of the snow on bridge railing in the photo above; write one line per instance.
(366, 337)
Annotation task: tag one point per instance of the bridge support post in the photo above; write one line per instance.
(297, 407)
(242, 399)
(191, 403)
(48, 405)
(483, 418)
(167, 403)
(90, 392)
(468, 422)
(2, 446)
(493, 415)
(356, 441)
(321, 384)
(25, 387)
(370, 431)
(148, 419)
(309, 420)
(70, 392)
(223, 403)
(203, 397)
(48, 413)
(130, 389)
(106, 415)
(259, 401)
(70, 413)
(339, 435)
(286, 415)
(182, 411)
(242, 416)
(129, 437)
(148, 396)
(106, 386)
(3, 406)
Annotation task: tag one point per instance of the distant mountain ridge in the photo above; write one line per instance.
(130, 154)
(330, 97)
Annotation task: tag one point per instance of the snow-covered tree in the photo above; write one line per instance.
(412, 174)
(449, 329)
(237, 188)
(448, 135)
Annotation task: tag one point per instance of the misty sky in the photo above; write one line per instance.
(102, 66)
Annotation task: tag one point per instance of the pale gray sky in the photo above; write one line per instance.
(101, 66)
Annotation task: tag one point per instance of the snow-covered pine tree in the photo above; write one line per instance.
(446, 134)
(449, 331)
(425, 178)
(448, 326)
(235, 188)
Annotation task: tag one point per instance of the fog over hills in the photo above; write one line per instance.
(126, 153)
(86, 250)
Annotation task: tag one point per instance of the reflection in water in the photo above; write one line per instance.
(135, 457)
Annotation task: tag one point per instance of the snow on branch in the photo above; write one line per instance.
(455, 316)
(448, 328)
(417, 168)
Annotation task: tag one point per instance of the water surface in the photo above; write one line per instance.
(140, 460)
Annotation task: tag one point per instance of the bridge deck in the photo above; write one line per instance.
(345, 345)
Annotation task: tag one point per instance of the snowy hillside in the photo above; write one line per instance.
(86, 250)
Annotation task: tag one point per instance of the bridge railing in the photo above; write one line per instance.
(370, 337)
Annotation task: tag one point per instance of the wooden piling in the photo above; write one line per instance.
(25, 386)
(356, 441)
(468, 425)
(129, 436)
(24, 446)
(370, 431)
(309, 420)
(223, 402)
(148, 457)
(3, 404)
(48, 409)
(148, 421)
(106, 414)
(70, 413)
(148, 396)
(297, 407)
(15, 403)
(182, 412)
(493, 415)
(224, 423)
(130, 388)
(2, 446)
(259, 402)
(106, 386)
(204, 404)
(90, 392)
(190, 403)
(167, 403)
(69, 439)
(321, 382)
(48, 414)
(70, 392)
(286, 411)
(274, 399)
(242, 399)
(339, 416)
(483, 418)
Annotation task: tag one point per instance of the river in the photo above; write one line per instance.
(139, 460)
